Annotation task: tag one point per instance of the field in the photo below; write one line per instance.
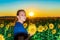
(41, 28)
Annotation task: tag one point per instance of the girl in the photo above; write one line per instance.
(20, 32)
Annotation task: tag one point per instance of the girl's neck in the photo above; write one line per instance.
(20, 21)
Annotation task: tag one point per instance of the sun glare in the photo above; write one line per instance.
(31, 14)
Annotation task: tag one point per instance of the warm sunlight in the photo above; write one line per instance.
(31, 14)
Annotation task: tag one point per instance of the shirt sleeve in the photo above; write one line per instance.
(19, 28)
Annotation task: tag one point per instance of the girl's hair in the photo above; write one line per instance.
(21, 10)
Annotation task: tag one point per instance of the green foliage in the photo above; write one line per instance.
(45, 35)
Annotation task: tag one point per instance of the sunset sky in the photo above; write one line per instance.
(40, 8)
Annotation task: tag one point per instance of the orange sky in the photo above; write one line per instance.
(45, 12)
(37, 13)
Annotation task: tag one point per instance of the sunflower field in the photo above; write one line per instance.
(38, 28)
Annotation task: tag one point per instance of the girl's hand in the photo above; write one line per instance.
(30, 34)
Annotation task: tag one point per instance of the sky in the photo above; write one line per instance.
(40, 8)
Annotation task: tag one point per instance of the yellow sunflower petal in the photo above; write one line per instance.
(2, 37)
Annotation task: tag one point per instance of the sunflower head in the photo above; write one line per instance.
(1, 25)
(30, 23)
(59, 26)
(40, 28)
(45, 27)
(53, 31)
(2, 37)
(51, 26)
(7, 27)
(11, 23)
(32, 29)
(9, 35)
(25, 25)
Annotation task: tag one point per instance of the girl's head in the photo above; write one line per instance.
(21, 15)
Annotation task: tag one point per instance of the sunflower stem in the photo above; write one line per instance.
(48, 35)
(5, 32)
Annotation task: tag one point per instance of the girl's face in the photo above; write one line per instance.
(22, 16)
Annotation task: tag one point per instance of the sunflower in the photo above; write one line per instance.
(53, 31)
(25, 25)
(32, 29)
(11, 24)
(30, 23)
(40, 28)
(9, 35)
(1, 25)
(51, 26)
(58, 25)
(7, 27)
(2, 37)
(45, 27)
